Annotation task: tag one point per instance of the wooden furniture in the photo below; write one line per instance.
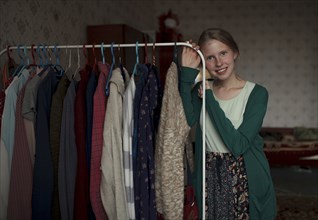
(119, 34)
(283, 147)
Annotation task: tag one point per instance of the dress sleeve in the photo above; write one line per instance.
(238, 141)
(189, 94)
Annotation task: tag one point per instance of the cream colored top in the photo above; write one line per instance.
(234, 109)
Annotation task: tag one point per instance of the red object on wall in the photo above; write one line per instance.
(168, 32)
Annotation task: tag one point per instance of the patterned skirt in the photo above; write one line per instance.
(226, 191)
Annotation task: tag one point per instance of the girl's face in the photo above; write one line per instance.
(219, 59)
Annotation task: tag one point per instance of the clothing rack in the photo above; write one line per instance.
(169, 44)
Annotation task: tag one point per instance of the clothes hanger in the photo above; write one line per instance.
(21, 65)
(121, 65)
(176, 61)
(57, 59)
(102, 52)
(45, 55)
(48, 55)
(113, 54)
(41, 65)
(4, 76)
(111, 68)
(153, 54)
(78, 63)
(69, 59)
(119, 54)
(27, 63)
(38, 52)
(11, 62)
(137, 60)
(8, 54)
(85, 54)
(33, 64)
(145, 51)
(95, 60)
(175, 53)
(57, 66)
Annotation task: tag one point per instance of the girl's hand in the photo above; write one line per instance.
(190, 58)
(200, 90)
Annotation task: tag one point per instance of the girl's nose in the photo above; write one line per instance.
(218, 61)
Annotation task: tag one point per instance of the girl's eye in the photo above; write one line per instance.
(210, 58)
(223, 53)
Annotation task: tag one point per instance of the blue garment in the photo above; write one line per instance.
(42, 192)
(157, 110)
(55, 134)
(90, 90)
(145, 202)
(140, 81)
(68, 155)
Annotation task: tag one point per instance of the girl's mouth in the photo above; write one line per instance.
(221, 71)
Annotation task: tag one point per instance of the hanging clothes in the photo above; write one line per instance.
(20, 195)
(128, 126)
(145, 202)
(42, 190)
(29, 109)
(68, 155)
(6, 83)
(140, 79)
(7, 138)
(170, 144)
(112, 182)
(81, 199)
(91, 86)
(85, 152)
(99, 109)
(55, 131)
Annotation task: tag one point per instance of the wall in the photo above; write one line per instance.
(278, 41)
(277, 38)
(65, 21)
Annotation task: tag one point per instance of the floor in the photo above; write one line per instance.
(296, 180)
(296, 192)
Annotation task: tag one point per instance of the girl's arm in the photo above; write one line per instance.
(239, 140)
(189, 95)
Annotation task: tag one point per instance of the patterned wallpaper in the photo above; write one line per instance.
(278, 39)
(65, 21)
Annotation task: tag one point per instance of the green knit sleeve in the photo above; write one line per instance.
(238, 141)
(189, 94)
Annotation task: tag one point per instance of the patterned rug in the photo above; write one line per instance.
(297, 207)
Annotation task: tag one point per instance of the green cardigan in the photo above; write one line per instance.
(242, 141)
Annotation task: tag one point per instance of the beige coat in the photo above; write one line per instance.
(169, 154)
(113, 192)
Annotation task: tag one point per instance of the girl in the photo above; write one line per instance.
(238, 180)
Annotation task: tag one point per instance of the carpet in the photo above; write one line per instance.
(297, 207)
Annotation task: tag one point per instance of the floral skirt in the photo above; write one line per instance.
(226, 192)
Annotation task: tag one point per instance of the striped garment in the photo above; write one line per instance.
(128, 103)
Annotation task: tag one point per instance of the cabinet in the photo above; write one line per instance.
(119, 34)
